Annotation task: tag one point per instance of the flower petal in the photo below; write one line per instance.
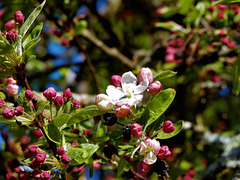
(141, 87)
(150, 158)
(134, 100)
(115, 93)
(128, 78)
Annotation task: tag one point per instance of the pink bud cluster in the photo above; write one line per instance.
(64, 157)
(172, 49)
(9, 113)
(11, 33)
(51, 95)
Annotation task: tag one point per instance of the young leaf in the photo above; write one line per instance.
(78, 155)
(7, 121)
(157, 107)
(81, 25)
(21, 96)
(164, 75)
(31, 18)
(226, 2)
(121, 165)
(84, 114)
(53, 133)
(60, 120)
(33, 35)
(178, 127)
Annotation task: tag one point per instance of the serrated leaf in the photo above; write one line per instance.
(53, 133)
(84, 114)
(31, 18)
(21, 96)
(178, 127)
(78, 155)
(157, 107)
(60, 120)
(33, 35)
(164, 75)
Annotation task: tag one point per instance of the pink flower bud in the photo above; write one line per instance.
(45, 175)
(58, 101)
(12, 35)
(122, 110)
(50, 93)
(28, 94)
(23, 175)
(168, 126)
(8, 113)
(60, 151)
(34, 164)
(1, 102)
(116, 80)
(65, 42)
(154, 87)
(136, 130)
(222, 32)
(18, 110)
(169, 58)
(10, 80)
(164, 152)
(171, 50)
(235, 9)
(76, 131)
(18, 16)
(67, 94)
(145, 74)
(222, 7)
(87, 132)
(33, 148)
(96, 165)
(75, 104)
(37, 133)
(9, 25)
(144, 168)
(221, 14)
(25, 142)
(12, 89)
(10, 176)
(13, 163)
(65, 159)
(40, 157)
(231, 44)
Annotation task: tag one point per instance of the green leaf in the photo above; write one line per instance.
(60, 120)
(31, 44)
(157, 124)
(172, 26)
(127, 146)
(78, 155)
(101, 130)
(178, 127)
(164, 75)
(53, 133)
(84, 114)
(121, 165)
(7, 121)
(236, 76)
(33, 35)
(31, 18)
(185, 6)
(157, 107)
(81, 153)
(5, 48)
(41, 106)
(80, 26)
(21, 96)
(226, 2)
(4, 74)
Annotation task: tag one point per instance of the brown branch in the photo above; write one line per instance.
(114, 52)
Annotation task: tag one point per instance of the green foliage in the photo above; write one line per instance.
(164, 75)
(157, 107)
(236, 76)
(226, 2)
(53, 133)
(84, 114)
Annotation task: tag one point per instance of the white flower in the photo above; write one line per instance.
(130, 93)
(149, 149)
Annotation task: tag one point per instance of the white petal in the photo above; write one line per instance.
(141, 87)
(150, 158)
(115, 93)
(128, 78)
(135, 100)
(105, 105)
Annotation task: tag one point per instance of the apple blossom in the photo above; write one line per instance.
(122, 110)
(149, 149)
(104, 102)
(168, 126)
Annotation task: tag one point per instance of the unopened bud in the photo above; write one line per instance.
(18, 16)
(168, 127)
